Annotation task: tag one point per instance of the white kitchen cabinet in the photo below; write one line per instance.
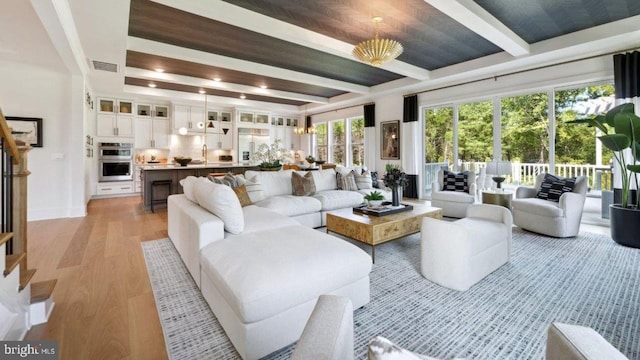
(188, 117)
(113, 125)
(155, 111)
(152, 133)
(115, 106)
(217, 139)
(115, 118)
(115, 188)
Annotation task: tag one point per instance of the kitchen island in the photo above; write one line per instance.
(175, 173)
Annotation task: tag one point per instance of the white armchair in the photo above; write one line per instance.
(453, 203)
(558, 219)
(458, 254)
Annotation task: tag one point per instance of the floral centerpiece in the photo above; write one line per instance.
(394, 179)
(271, 157)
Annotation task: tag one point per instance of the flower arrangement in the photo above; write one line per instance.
(271, 156)
(395, 177)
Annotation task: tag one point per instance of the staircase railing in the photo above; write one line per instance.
(8, 157)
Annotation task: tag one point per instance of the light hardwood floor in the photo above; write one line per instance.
(104, 303)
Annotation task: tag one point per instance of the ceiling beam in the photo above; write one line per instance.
(480, 21)
(237, 16)
(205, 58)
(181, 97)
(57, 19)
(210, 84)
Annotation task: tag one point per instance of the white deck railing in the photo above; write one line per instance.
(525, 173)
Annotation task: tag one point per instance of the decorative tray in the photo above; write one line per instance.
(385, 209)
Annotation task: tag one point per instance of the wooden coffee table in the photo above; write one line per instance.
(375, 230)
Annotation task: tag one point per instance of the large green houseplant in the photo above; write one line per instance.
(621, 134)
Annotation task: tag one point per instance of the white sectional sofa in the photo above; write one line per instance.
(311, 210)
(263, 281)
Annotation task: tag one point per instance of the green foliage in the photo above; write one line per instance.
(525, 133)
(626, 124)
(374, 195)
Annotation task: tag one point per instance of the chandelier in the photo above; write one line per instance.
(377, 51)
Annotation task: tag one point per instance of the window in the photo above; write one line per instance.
(321, 142)
(475, 132)
(525, 135)
(338, 142)
(357, 141)
(438, 143)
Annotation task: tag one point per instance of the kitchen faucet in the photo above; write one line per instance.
(204, 153)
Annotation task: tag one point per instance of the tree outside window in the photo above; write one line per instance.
(338, 141)
(357, 141)
(321, 142)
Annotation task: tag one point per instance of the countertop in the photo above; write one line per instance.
(216, 165)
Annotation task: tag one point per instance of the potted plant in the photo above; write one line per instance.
(310, 159)
(374, 198)
(271, 157)
(621, 129)
(394, 179)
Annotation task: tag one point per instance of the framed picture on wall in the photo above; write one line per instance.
(390, 140)
(25, 129)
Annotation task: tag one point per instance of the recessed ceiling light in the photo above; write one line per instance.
(243, 96)
(160, 70)
(217, 79)
(152, 85)
(202, 91)
(263, 86)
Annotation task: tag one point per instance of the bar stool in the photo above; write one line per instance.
(168, 184)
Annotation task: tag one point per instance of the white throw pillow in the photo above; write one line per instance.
(254, 188)
(364, 181)
(188, 187)
(325, 180)
(221, 201)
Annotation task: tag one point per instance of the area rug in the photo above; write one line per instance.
(588, 280)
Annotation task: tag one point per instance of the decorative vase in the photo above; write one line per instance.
(395, 200)
(375, 203)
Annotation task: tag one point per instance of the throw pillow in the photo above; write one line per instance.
(254, 188)
(456, 181)
(221, 201)
(380, 348)
(188, 185)
(228, 180)
(364, 181)
(346, 181)
(303, 185)
(374, 180)
(553, 187)
(243, 196)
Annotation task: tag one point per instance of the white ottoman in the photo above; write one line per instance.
(262, 286)
(458, 254)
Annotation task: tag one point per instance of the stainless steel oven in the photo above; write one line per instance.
(115, 161)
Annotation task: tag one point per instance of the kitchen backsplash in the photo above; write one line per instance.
(180, 145)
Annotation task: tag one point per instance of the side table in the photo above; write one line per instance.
(502, 198)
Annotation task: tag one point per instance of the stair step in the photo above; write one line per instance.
(4, 237)
(25, 277)
(42, 290)
(12, 261)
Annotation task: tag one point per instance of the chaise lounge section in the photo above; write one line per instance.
(263, 281)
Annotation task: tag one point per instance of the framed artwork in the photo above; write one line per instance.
(390, 140)
(28, 130)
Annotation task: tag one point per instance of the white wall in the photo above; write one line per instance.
(56, 184)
